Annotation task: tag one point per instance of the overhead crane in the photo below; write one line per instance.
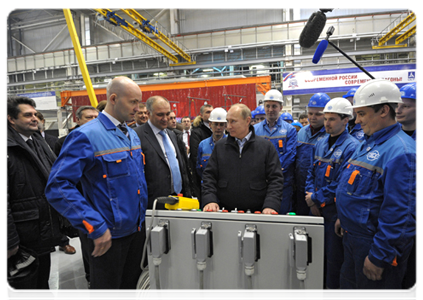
(395, 30)
(145, 26)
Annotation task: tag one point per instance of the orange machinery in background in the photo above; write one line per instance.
(186, 97)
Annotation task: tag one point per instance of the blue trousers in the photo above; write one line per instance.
(288, 189)
(356, 248)
(334, 255)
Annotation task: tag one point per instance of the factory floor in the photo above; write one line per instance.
(67, 276)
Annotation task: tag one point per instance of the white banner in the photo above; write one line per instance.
(43, 100)
(333, 80)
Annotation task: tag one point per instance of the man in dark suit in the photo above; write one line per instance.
(161, 179)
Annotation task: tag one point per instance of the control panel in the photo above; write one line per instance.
(191, 249)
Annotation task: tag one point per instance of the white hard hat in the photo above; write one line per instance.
(377, 91)
(273, 95)
(218, 115)
(339, 106)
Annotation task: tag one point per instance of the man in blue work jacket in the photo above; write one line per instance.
(406, 111)
(283, 136)
(330, 156)
(376, 195)
(105, 156)
(353, 128)
(406, 115)
(306, 139)
(218, 124)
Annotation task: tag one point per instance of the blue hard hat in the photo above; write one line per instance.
(287, 116)
(408, 91)
(319, 100)
(260, 110)
(350, 93)
(253, 114)
(297, 124)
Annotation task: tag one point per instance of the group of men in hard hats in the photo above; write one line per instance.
(354, 164)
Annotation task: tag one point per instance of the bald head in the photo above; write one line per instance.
(123, 96)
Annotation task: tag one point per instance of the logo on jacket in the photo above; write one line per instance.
(337, 153)
(373, 155)
(359, 134)
(282, 131)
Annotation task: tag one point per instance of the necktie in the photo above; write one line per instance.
(173, 163)
(123, 128)
(188, 136)
(31, 145)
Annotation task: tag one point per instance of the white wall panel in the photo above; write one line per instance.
(90, 54)
(59, 58)
(365, 24)
(233, 37)
(49, 60)
(103, 52)
(20, 64)
(115, 51)
(39, 61)
(218, 39)
(208, 19)
(127, 50)
(30, 62)
(248, 35)
(264, 34)
(204, 40)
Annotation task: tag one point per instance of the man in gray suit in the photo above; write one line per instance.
(165, 168)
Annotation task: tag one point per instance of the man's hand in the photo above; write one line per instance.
(315, 210)
(308, 199)
(339, 231)
(269, 211)
(372, 271)
(102, 244)
(211, 207)
(12, 252)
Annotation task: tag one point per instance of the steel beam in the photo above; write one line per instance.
(139, 34)
(406, 35)
(80, 57)
(57, 35)
(167, 41)
(18, 41)
(404, 23)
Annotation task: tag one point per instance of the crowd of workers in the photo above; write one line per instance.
(350, 160)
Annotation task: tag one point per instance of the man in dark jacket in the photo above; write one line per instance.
(32, 223)
(158, 173)
(244, 171)
(200, 131)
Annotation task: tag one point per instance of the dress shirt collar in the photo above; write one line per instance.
(111, 118)
(155, 129)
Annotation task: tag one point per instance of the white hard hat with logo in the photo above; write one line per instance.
(218, 115)
(339, 106)
(273, 95)
(377, 91)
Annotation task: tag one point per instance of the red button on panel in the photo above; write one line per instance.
(240, 211)
(257, 212)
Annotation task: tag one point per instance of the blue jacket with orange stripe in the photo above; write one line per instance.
(205, 149)
(304, 158)
(376, 196)
(110, 167)
(322, 179)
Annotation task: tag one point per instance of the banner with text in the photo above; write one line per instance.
(340, 80)
(43, 100)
